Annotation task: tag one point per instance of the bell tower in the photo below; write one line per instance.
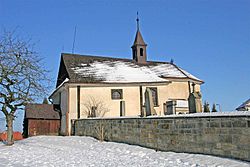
(139, 47)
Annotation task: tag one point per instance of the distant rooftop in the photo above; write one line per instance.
(41, 111)
(244, 106)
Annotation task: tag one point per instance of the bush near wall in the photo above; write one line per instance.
(226, 136)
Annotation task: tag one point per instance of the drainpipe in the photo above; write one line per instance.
(78, 102)
(141, 101)
(189, 88)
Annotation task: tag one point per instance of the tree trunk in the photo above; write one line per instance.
(9, 121)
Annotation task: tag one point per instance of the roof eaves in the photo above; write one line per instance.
(185, 78)
(61, 85)
(118, 83)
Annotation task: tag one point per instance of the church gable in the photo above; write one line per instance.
(63, 73)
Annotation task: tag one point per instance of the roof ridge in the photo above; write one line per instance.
(106, 57)
(95, 56)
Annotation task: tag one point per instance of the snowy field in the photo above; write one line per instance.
(86, 151)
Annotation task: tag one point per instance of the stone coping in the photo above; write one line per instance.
(195, 115)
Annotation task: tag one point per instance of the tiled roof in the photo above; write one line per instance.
(96, 69)
(41, 111)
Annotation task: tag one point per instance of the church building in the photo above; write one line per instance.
(94, 86)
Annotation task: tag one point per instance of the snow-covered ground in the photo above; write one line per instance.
(86, 151)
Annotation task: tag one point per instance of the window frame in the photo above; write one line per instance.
(118, 91)
(156, 99)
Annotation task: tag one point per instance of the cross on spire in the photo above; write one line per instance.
(137, 20)
(139, 47)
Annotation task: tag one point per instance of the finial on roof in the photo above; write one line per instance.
(137, 20)
(172, 61)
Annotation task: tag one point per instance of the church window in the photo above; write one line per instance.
(155, 96)
(116, 94)
(141, 51)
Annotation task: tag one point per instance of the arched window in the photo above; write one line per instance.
(116, 93)
(141, 51)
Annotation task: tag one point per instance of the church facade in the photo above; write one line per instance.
(95, 86)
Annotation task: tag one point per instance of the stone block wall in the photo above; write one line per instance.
(226, 136)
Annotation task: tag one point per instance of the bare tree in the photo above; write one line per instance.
(100, 130)
(94, 107)
(22, 77)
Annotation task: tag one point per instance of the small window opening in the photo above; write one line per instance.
(141, 51)
(116, 93)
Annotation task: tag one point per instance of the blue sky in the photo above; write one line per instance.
(208, 38)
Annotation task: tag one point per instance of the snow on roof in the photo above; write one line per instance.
(127, 72)
(66, 80)
(245, 104)
(188, 74)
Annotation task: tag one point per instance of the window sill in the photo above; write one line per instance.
(154, 106)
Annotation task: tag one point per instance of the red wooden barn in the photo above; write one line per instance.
(40, 119)
(16, 136)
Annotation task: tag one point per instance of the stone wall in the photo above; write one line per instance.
(226, 136)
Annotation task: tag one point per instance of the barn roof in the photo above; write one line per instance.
(41, 111)
(96, 69)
